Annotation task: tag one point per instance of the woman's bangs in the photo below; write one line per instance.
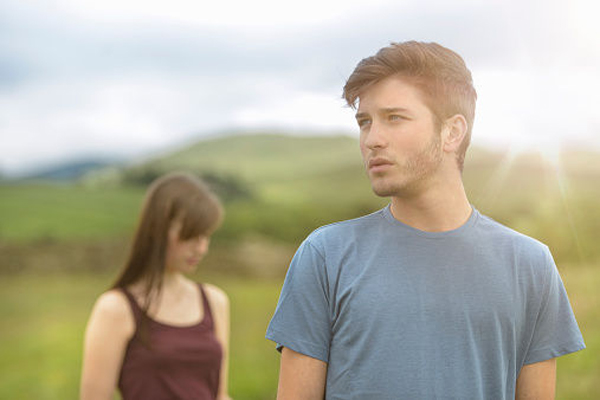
(200, 218)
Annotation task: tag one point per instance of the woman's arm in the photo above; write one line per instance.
(219, 303)
(109, 329)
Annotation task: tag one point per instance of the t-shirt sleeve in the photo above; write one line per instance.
(556, 332)
(302, 321)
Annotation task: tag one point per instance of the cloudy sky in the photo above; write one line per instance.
(125, 77)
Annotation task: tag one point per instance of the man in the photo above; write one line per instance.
(427, 298)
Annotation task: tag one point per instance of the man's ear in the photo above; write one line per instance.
(453, 132)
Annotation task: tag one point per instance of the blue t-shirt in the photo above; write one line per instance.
(399, 313)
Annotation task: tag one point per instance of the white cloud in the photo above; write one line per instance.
(537, 107)
(129, 76)
(299, 110)
(257, 14)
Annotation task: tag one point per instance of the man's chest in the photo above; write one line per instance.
(419, 298)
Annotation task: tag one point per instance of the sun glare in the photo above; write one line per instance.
(551, 157)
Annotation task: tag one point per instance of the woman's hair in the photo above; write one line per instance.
(439, 73)
(172, 197)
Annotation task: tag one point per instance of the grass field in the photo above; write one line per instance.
(38, 211)
(44, 316)
(43, 322)
(60, 246)
(292, 185)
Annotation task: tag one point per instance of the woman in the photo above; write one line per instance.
(156, 334)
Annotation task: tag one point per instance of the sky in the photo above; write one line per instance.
(124, 78)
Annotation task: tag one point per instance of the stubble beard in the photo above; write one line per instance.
(414, 172)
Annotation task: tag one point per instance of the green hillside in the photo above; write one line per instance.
(281, 187)
(265, 158)
(62, 244)
(273, 168)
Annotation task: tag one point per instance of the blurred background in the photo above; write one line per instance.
(99, 98)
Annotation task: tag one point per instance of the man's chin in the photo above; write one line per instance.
(383, 191)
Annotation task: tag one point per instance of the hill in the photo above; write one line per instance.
(270, 167)
(307, 181)
(64, 172)
(281, 187)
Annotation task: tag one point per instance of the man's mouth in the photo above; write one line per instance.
(378, 164)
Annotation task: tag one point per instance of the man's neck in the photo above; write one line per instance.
(439, 209)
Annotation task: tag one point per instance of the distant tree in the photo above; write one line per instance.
(228, 187)
(141, 176)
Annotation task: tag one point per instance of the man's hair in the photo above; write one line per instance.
(439, 73)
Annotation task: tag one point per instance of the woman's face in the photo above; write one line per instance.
(184, 255)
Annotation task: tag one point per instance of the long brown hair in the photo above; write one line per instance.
(175, 196)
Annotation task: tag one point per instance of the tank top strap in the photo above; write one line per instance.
(208, 317)
(137, 311)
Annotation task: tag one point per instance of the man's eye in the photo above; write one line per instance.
(395, 117)
(363, 122)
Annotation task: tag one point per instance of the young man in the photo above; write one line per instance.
(427, 298)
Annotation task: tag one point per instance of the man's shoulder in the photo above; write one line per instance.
(503, 235)
(342, 233)
(347, 228)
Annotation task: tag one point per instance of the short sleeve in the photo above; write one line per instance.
(556, 332)
(302, 320)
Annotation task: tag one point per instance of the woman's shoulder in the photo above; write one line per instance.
(216, 295)
(113, 305)
(112, 316)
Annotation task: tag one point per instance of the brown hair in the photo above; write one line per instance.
(176, 196)
(439, 73)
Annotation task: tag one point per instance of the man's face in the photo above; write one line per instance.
(400, 144)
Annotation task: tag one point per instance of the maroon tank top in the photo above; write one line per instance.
(181, 362)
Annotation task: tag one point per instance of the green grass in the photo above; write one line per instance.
(43, 322)
(299, 184)
(265, 158)
(30, 212)
(578, 373)
(295, 184)
(254, 360)
(44, 316)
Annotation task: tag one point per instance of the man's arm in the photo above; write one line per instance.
(537, 381)
(301, 377)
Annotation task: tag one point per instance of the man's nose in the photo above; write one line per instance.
(375, 137)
